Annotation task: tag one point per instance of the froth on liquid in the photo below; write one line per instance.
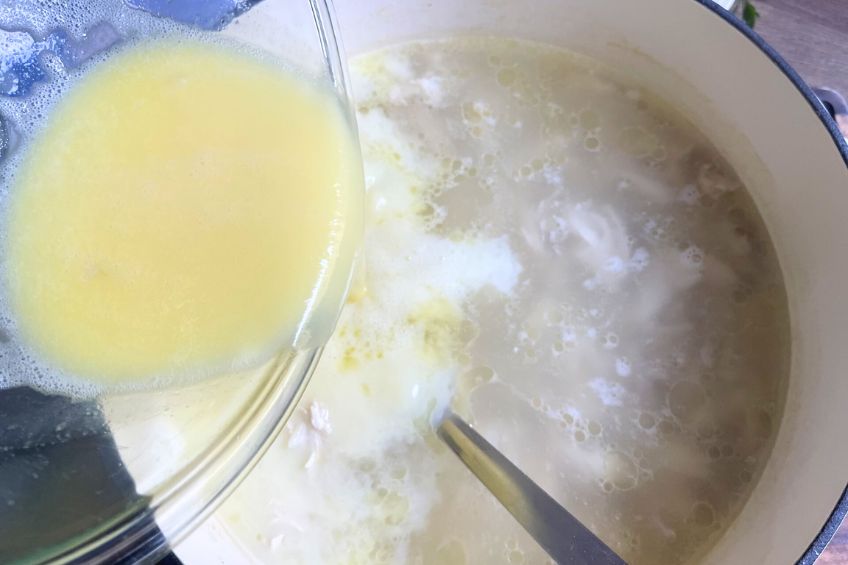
(186, 209)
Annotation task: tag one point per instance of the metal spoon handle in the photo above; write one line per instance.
(559, 533)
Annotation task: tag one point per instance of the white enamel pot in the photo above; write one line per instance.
(786, 148)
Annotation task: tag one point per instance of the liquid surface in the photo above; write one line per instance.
(570, 264)
(182, 212)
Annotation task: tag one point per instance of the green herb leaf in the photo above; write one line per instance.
(750, 14)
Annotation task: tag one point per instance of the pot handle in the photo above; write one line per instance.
(836, 106)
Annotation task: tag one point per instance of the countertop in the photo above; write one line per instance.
(812, 35)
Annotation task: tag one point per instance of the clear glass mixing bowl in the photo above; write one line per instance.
(122, 476)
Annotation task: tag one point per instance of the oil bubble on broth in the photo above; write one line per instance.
(562, 258)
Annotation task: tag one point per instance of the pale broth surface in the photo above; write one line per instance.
(570, 265)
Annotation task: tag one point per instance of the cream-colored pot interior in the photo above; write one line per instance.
(741, 99)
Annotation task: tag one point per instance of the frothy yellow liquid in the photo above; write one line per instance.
(185, 210)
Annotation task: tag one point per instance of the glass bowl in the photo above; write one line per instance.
(124, 475)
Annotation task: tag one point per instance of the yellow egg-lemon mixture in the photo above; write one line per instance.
(182, 212)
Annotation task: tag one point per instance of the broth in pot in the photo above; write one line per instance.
(568, 263)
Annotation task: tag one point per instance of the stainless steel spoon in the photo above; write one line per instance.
(559, 533)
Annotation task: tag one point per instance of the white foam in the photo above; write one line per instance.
(610, 393)
(433, 89)
(622, 367)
